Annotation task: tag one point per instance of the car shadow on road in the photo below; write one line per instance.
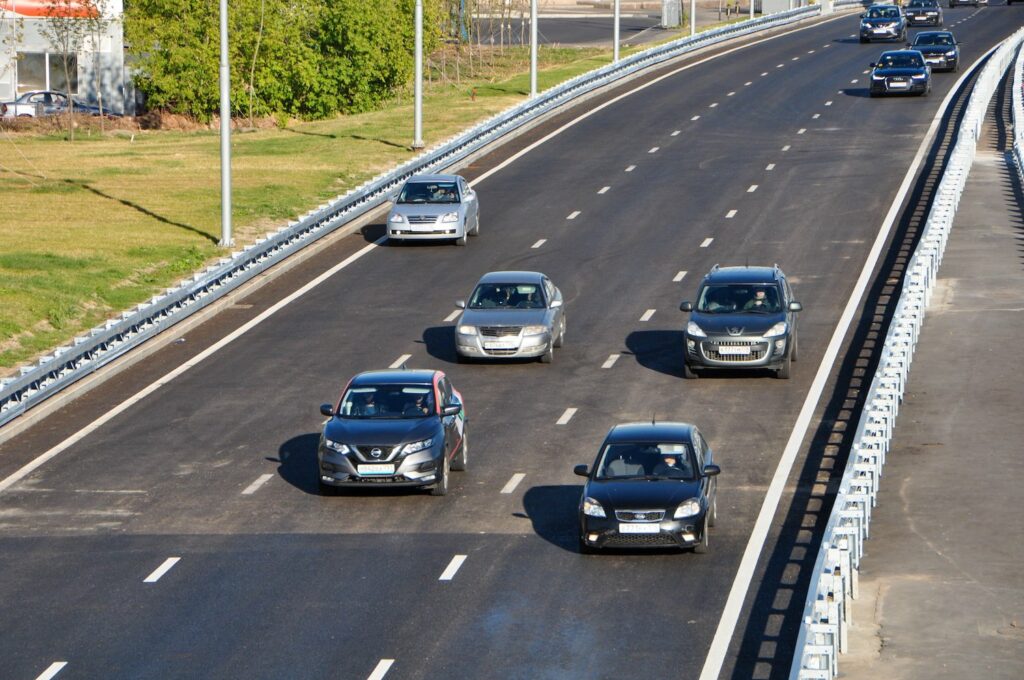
(296, 459)
(858, 92)
(658, 350)
(553, 512)
(440, 343)
(372, 232)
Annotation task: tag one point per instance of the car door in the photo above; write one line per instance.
(552, 294)
(452, 434)
(709, 485)
(472, 206)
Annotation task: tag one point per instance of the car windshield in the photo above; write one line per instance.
(883, 13)
(388, 401)
(901, 60)
(646, 460)
(507, 296)
(922, 4)
(429, 192)
(732, 298)
(926, 39)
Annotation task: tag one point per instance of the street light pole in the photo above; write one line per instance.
(615, 51)
(693, 17)
(417, 141)
(225, 131)
(751, 9)
(533, 48)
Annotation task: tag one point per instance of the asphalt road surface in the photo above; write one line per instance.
(772, 153)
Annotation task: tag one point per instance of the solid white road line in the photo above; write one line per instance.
(453, 568)
(731, 214)
(573, 215)
(654, 149)
(52, 670)
(567, 416)
(260, 481)
(695, 118)
(675, 133)
(647, 315)
(631, 168)
(679, 277)
(786, 148)
(603, 190)
(453, 316)
(708, 241)
(770, 166)
(801, 131)
(756, 542)
(161, 570)
(752, 189)
(539, 243)
(397, 363)
(383, 666)
(513, 483)
(610, 361)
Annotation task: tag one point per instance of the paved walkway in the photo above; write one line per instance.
(942, 585)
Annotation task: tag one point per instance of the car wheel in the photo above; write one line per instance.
(476, 227)
(688, 372)
(863, 40)
(392, 241)
(461, 460)
(784, 371)
(586, 549)
(794, 347)
(713, 510)
(548, 356)
(702, 547)
(461, 241)
(561, 335)
(441, 488)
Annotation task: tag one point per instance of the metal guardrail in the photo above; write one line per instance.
(824, 628)
(87, 353)
(1018, 115)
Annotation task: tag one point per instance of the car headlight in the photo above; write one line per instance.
(874, 77)
(450, 217)
(467, 330)
(696, 331)
(397, 218)
(337, 446)
(418, 446)
(592, 508)
(687, 509)
(781, 328)
(535, 330)
(951, 53)
(921, 76)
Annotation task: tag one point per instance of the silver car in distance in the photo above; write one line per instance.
(511, 315)
(434, 207)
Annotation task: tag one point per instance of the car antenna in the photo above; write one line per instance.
(404, 367)
(746, 262)
(652, 417)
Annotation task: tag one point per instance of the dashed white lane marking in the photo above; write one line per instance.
(713, 105)
(260, 481)
(706, 242)
(867, 72)
(748, 83)
(679, 277)
(610, 361)
(695, 118)
(786, 148)
(795, 59)
(647, 315)
(816, 116)
(853, 81)
(453, 316)
(383, 666)
(730, 94)
(752, 189)
(630, 168)
(161, 570)
(824, 46)
(779, 65)
(573, 215)
(731, 214)
(840, 91)
(770, 166)
(567, 416)
(603, 190)
(675, 133)
(810, 51)
(511, 485)
(539, 243)
(828, 103)
(453, 567)
(52, 670)
(764, 74)
(400, 360)
(852, 35)
(801, 131)
(654, 149)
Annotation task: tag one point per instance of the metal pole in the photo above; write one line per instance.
(615, 51)
(225, 131)
(751, 9)
(533, 48)
(417, 141)
(693, 17)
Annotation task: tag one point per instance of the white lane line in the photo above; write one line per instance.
(453, 567)
(840, 91)
(654, 149)
(646, 316)
(770, 166)
(539, 243)
(801, 131)
(867, 72)
(752, 189)
(161, 570)
(816, 116)
(795, 59)
(707, 242)
(453, 316)
(779, 65)
(824, 46)
(748, 83)
(52, 670)
(511, 485)
(631, 168)
(679, 277)
(610, 361)
(675, 133)
(731, 214)
(713, 105)
(382, 668)
(853, 81)
(730, 94)
(756, 543)
(828, 103)
(810, 51)
(260, 481)
(764, 74)
(573, 215)
(695, 118)
(567, 416)
(786, 148)
(603, 190)
(397, 363)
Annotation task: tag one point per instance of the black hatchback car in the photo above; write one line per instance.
(883, 22)
(900, 72)
(652, 486)
(940, 49)
(923, 13)
(394, 427)
(745, 317)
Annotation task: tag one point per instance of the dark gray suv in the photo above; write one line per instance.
(745, 317)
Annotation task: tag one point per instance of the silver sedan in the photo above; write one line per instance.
(434, 207)
(511, 315)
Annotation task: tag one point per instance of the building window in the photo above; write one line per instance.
(45, 71)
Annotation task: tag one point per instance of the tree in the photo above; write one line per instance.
(66, 29)
(11, 28)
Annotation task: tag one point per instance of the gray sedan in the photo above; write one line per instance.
(434, 206)
(511, 315)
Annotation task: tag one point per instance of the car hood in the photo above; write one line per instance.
(726, 324)
(889, 72)
(425, 208)
(879, 22)
(934, 49)
(380, 431)
(504, 317)
(641, 494)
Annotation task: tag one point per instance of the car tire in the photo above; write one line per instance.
(461, 241)
(864, 40)
(548, 356)
(785, 370)
(702, 547)
(394, 242)
(441, 488)
(794, 348)
(713, 510)
(689, 373)
(476, 227)
(561, 335)
(460, 461)
(586, 549)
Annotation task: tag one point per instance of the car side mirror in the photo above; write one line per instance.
(711, 470)
(685, 306)
(555, 304)
(461, 304)
(796, 307)
(872, 64)
(451, 410)
(327, 410)
(863, 16)
(581, 470)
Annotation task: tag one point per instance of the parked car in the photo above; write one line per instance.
(434, 207)
(48, 103)
(393, 427)
(883, 22)
(923, 13)
(940, 49)
(745, 317)
(652, 485)
(900, 72)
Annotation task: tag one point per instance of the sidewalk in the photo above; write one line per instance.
(942, 583)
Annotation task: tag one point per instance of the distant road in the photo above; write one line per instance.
(584, 30)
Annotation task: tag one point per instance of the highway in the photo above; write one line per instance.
(771, 153)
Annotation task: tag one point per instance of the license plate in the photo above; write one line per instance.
(500, 344)
(932, 60)
(377, 469)
(880, 30)
(639, 528)
(734, 350)
(898, 84)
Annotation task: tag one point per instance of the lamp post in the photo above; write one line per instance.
(225, 131)
(533, 48)
(615, 50)
(417, 141)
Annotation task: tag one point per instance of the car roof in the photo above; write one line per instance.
(888, 52)
(743, 274)
(946, 33)
(393, 376)
(667, 431)
(512, 277)
(432, 178)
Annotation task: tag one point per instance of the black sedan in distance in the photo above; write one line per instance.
(923, 13)
(395, 427)
(900, 72)
(652, 486)
(940, 49)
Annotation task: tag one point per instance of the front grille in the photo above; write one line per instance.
(640, 515)
(367, 457)
(501, 352)
(628, 540)
(757, 350)
(422, 219)
(500, 331)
